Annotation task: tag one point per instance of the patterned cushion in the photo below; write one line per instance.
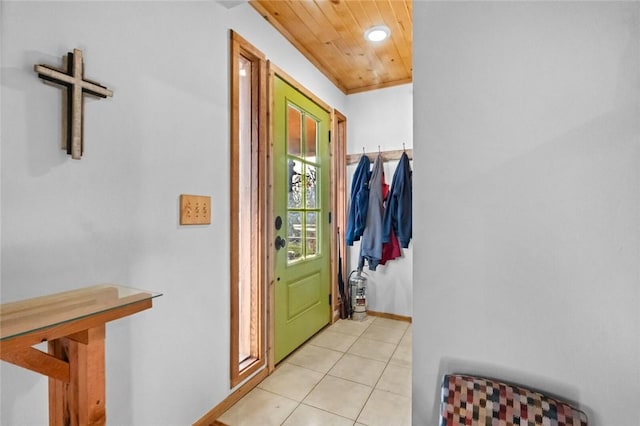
(475, 401)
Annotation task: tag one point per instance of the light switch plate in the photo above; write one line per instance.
(195, 209)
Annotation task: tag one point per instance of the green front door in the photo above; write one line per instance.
(301, 211)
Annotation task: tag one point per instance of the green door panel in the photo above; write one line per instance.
(301, 199)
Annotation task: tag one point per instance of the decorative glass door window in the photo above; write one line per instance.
(303, 203)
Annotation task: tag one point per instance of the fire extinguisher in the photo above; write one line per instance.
(358, 291)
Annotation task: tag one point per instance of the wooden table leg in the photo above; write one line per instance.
(81, 401)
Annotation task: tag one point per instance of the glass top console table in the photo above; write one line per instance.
(73, 324)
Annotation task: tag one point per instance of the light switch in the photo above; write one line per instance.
(195, 210)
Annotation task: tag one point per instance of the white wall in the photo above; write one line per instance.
(382, 118)
(527, 254)
(113, 216)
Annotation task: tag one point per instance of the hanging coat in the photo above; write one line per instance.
(390, 250)
(359, 201)
(398, 214)
(371, 244)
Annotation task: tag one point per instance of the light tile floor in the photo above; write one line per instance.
(352, 373)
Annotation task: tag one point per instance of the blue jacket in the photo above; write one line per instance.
(359, 201)
(398, 213)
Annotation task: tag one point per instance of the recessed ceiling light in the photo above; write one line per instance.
(377, 33)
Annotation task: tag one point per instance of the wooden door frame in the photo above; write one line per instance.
(338, 166)
(338, 205)
(334, 193)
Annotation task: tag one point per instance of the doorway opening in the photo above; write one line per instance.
(284, 217)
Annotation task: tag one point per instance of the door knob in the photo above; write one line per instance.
(280, 242)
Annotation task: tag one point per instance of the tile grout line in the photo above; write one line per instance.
(378, 381)
(325, 374)
(373, 388)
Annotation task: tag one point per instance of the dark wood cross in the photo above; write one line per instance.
(71, 78)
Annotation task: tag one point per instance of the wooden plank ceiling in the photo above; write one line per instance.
(330, 33)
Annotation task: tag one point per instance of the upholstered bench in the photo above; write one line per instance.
(476, 401)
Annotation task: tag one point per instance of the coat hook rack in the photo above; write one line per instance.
(392, 155)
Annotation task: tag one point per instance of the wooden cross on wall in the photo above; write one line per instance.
(71, 78)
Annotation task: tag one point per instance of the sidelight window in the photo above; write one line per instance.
(248, 124)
